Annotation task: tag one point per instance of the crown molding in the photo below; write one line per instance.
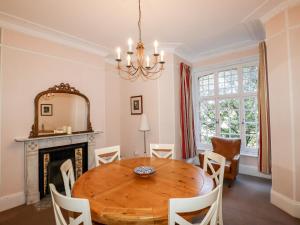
(246, 18)
(183, 55)
(11, 22)
(240, 46)
(279, 8)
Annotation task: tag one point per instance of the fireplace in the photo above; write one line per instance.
(50, 160)
(32, 148)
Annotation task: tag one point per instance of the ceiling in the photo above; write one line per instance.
(195, 27)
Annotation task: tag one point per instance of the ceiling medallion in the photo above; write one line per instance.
(145, 68)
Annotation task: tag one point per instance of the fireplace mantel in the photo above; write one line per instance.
(26, 139)
(31, 148)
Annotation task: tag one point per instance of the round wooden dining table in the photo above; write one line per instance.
(118, 196)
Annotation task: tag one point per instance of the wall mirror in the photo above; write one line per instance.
(61, 109)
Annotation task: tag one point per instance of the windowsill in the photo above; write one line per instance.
(242, 154)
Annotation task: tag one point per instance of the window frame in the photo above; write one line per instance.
(240, 95)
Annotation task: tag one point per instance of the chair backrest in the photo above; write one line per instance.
(216, 164)
(67, 173)
(227, 147)
(72, 205)
(162, 151)
(184, 205)
(107, 155)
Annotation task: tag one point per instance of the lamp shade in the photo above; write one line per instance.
(144, 125)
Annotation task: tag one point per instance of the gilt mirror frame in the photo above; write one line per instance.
(61, 88)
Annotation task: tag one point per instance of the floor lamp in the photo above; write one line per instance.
(144, 126)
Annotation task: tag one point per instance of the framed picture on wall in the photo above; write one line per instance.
(136, 105)
(46, 109)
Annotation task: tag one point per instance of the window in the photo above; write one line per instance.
(227, 106)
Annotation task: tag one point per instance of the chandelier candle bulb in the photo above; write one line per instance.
(162, 53)
(155, 47)
(130, 42)
(128, 60)
(148, 61)
(118, 53)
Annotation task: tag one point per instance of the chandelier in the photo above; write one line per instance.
(139, 65)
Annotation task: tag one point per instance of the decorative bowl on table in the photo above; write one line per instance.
(144, 171)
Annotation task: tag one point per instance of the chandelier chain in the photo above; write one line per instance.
(139, 23)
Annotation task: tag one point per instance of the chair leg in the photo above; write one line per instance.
(231, 183)
(220, 213)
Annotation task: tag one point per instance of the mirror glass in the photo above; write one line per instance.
(60, 113)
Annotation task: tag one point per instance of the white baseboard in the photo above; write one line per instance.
(11, 201)
(283, 202)
(252, 171)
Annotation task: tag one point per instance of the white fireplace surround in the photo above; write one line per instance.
(31, 148)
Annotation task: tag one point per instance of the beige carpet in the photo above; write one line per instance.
(246, 203)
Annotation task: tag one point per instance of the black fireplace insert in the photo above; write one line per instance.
(50, 160)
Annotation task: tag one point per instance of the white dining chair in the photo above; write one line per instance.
(107, 155)
(211, 159)
(184, 205)
(73, 206)
(162, 151)
(67, 173)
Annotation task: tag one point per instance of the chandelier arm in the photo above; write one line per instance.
(155, 71)
(127, 71)
(152, 67)
(132, 65)
(128, 76)
(144, 72)
(121, 72)
(155, 77)
(158, 73)
(149, 74)
(152, 76)
(135, 71)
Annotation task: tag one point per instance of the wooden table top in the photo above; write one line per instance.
(118, 196)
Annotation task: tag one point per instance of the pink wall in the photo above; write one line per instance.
(280, 104)
(161, 105)
(132, 141)
(112, 109)
(30, 65)
(283, 35)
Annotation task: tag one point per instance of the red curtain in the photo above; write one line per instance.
(188, 145)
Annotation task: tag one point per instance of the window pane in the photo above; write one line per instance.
(250, 78)
(251, 122)
(230, 118)
(251, 141)
(206, 84)
(228, 82)
(207, 120)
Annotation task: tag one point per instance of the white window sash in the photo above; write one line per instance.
(240, 96)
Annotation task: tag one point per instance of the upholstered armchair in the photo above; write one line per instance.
(230, 149)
